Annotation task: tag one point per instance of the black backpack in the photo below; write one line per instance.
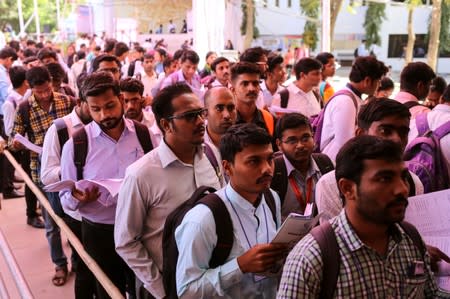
(80, 145)
(203, 195)
(329, 250)
(280, 175)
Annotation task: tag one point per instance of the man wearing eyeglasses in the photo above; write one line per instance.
(159, 182)
(297, 170)
(107, 63)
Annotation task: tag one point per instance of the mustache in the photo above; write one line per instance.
(398, 200)
(264, 177)
(255, 94)
(199, 129)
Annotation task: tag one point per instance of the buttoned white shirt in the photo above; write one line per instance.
(153, 187)
(9, 111)
(149, 82)
(305, 103)
(267, 95)
(196, 238)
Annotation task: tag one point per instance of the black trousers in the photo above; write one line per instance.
(30, 198)
(98, 241)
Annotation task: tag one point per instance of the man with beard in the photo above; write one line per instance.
(112, 143)
(297, 170)
(221, 69)
(378, 256)
(161, 181)
(133, 101)
(33, 118)
(248, 161)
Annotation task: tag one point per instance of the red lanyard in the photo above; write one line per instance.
(298, 192)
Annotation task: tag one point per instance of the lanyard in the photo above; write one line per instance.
(242, 226)
(298, 192)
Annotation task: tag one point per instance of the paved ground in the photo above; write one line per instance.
(30, 249)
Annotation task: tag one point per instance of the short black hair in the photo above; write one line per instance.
(306, 65)
(273, 60)
(131, 85)
(178, 53)
(109, 45)
(217, 61)
(386, 83)
(168, 62)
(7, 52)
(38, 75)
(46, 53)
(190, 55)
(120, 48)
(438, 84)
(149, 56)
(97, 83)
(244, 68)
(414, 73)
(15, 45)
(28, 52)
(104, 57)
(162, 52)
(29, 60)
(378, 109)
(162, 104)
(240, 136)
(324, 57)
(291, 121)
(350, 158)
(367, 66)
(31, 42)
(56, 71)
(446, 94)
(81, 55)
(17, 75)
(253, 54)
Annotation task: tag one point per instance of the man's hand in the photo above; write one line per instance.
(17, 145)
(2, 145)
(261, 257)
(87, 195)
(436, 255)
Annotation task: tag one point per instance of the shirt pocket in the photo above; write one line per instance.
(414, 287)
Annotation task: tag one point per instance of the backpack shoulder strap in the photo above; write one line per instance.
(442, 131)
(143, 135)
(80, 149)
(411, 104)
(318, 97)
(213, 160)
(412, 232)
(323, 162)
(270, 201)
(280, 177)
(412, 184)
(268, 120)
(422, 124)
(346, 92)
(224, 229)
(284, 98)
(62, 131)
(329, 248)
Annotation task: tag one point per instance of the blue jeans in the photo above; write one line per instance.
(52, 231)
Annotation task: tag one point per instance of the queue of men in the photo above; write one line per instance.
(265, 150)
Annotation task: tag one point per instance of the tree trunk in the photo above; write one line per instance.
(411, 37)
(335, 8)
(249, 28)
(435, 28)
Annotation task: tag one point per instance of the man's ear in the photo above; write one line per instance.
(347, 188)
(227, 167)
(359, 131)
(165, 124)
(278, 141)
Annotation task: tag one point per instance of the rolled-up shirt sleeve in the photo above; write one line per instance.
(51, 157)
(68, 172)
(131, 214)
(196, 239)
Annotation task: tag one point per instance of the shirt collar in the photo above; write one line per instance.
(404, 96)
(167, 156)
(312, 170)
(237, 199)
(257, 118)
(75, 119)
(354, 90)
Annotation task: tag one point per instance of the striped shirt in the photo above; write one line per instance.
(39, 122)
(363, 272)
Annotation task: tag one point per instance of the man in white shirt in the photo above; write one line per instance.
(248, 161)
(148, 76)
(133, 102)
(221, 68)
(339, 121)
(301, 97)
(275, 76)
(58, 133)
(383, 118)
(161, 181)
(436, 118)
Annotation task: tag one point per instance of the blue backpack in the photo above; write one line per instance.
(424, 157)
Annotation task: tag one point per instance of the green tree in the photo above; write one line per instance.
(249, 16)
(411, 4)
(375, 15)
(311, 9)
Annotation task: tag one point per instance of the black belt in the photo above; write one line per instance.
(109, 227)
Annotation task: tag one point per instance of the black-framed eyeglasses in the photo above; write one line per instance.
(294, 140)
(191, 116)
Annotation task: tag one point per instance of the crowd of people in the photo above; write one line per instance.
(165, 127)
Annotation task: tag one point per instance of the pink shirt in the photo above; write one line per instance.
(404, 97)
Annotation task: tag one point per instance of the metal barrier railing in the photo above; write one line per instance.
(109, 287)
(3, 290)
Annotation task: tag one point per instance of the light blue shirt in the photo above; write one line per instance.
(106, 159)
(196, 238)
(4, 85)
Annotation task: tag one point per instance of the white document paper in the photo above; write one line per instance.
(430, 214)
(278, 111)
(108, 188)
(25, 142)
(294, 228)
